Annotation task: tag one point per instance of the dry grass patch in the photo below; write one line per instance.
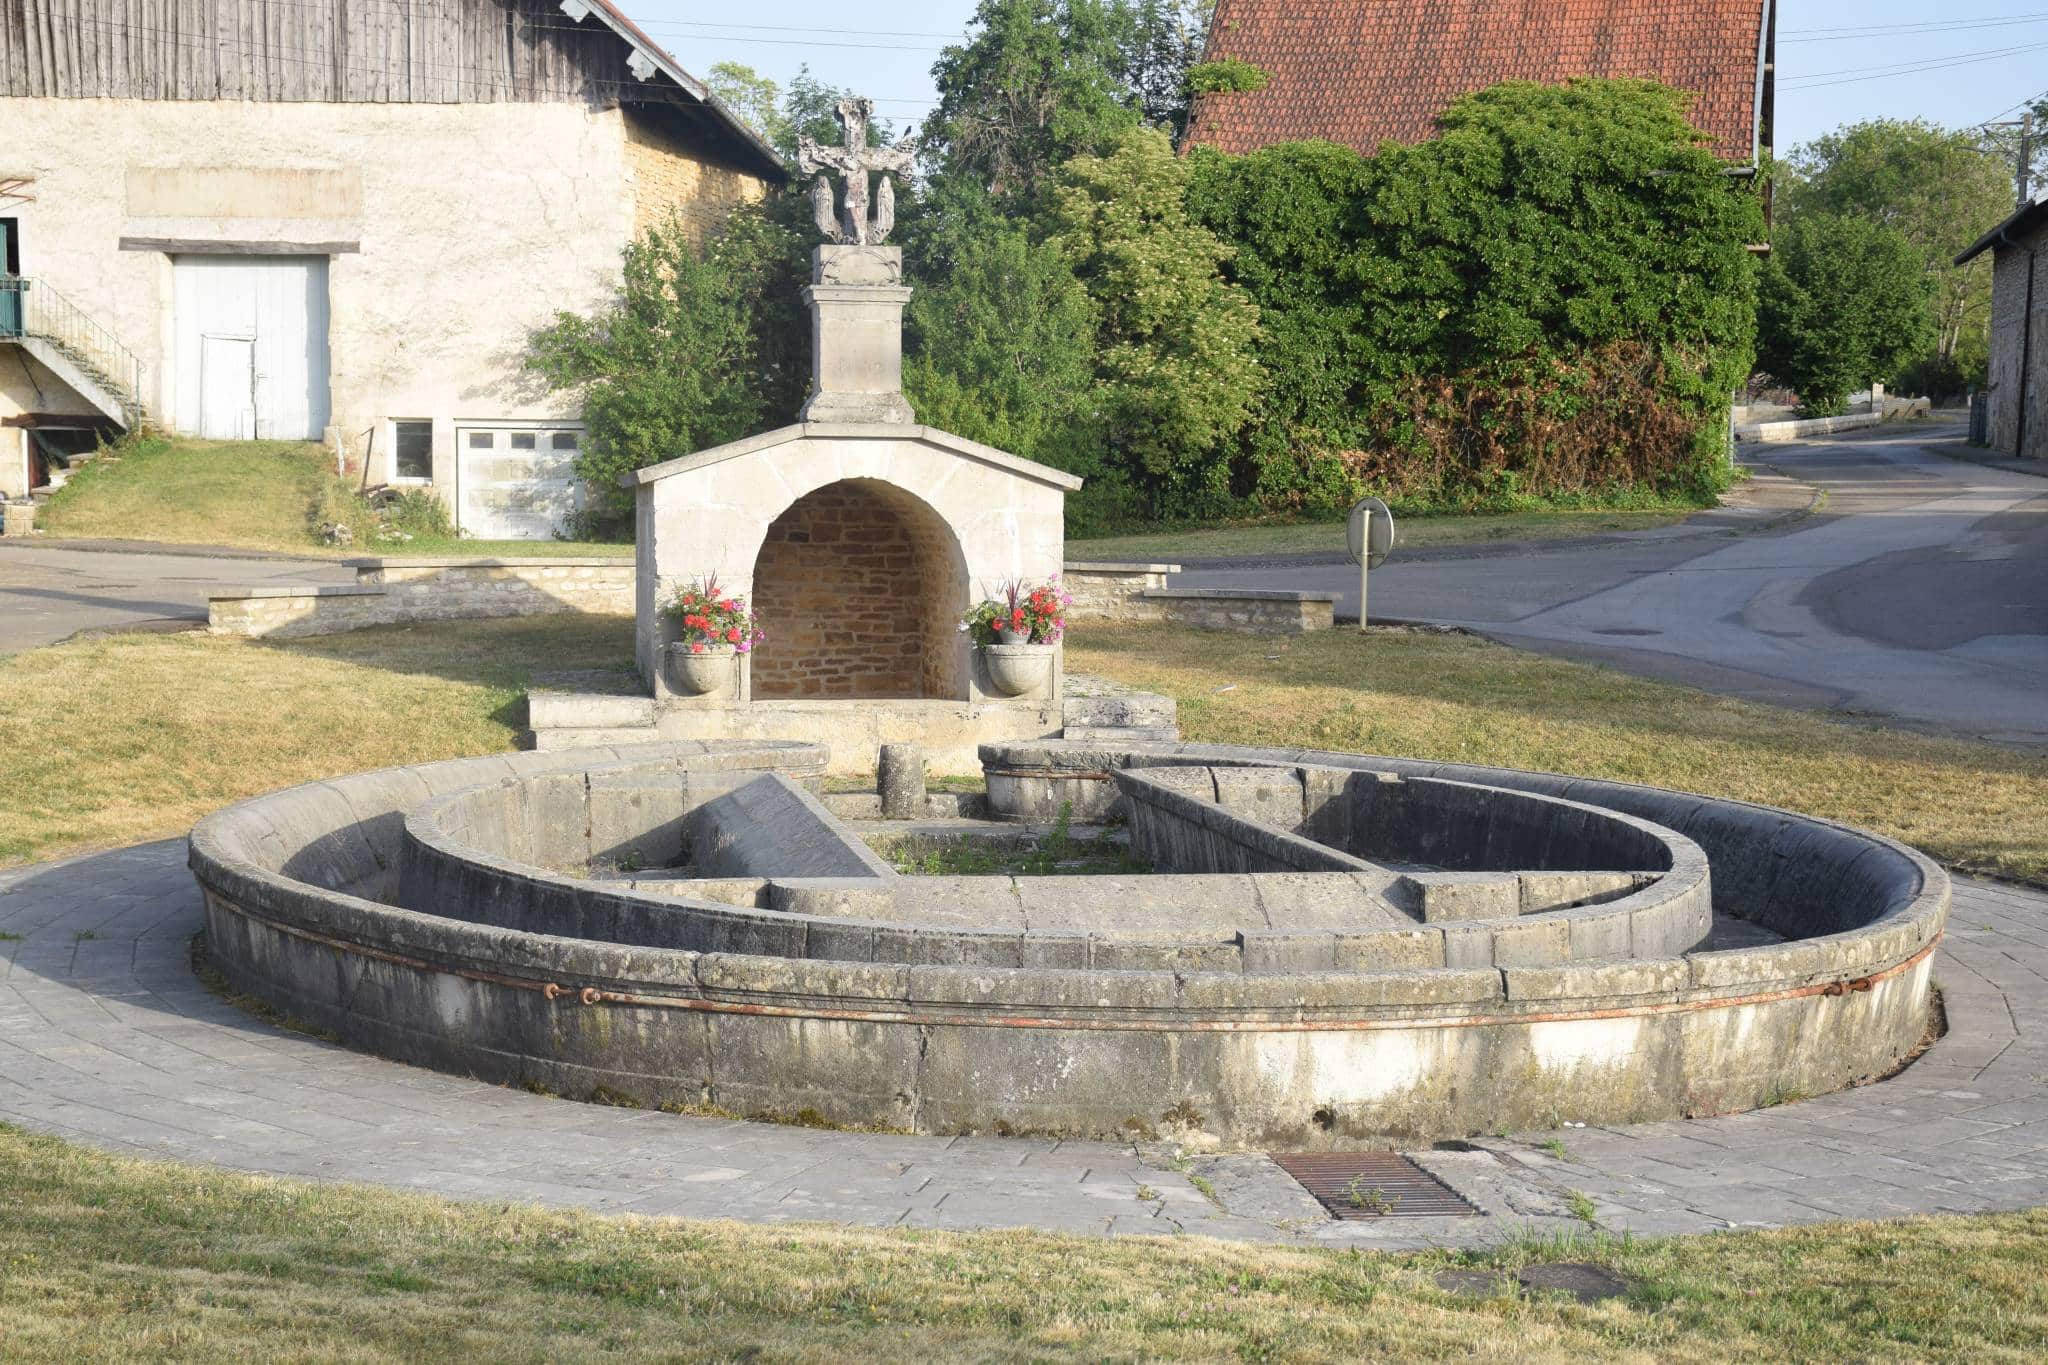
(129, 737)
(1458, 698)
(110, 1258)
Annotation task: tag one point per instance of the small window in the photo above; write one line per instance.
(565, 440)
(483, 440)
(522, 440)
(413, 443)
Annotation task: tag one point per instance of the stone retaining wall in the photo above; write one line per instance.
(1798, 429)
(1138, 592)
(433, 589)
(427, 589)
(1114, 592)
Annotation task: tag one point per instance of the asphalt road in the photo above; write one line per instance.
(1917, 594)
(49, 592)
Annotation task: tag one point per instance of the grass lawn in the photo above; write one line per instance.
(1459, 698)
(112, 1258)
(250, 495)
(1315, 537)
(122, 738)
(184, 724)
(118, 739)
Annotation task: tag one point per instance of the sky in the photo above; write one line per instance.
(1961, 62)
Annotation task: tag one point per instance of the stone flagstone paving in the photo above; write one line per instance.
(106, 1038)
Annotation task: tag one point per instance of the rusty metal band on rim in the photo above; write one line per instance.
(590, 995)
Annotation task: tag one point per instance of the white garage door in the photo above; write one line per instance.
(251, 346)
(515, 483)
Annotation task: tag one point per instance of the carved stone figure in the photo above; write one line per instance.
(856, 161)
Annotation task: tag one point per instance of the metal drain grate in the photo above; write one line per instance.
(1373, 1185)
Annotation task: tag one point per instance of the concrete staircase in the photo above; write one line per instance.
(68, 342)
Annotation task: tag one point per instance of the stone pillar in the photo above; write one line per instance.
(899, 779)
(856, 297)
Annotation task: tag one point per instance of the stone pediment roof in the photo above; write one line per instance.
(865, 431)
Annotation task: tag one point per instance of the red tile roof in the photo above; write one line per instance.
(1365, 71)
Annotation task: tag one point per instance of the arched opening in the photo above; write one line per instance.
(859, 587)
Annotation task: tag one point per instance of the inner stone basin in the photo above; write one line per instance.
(1330, 949)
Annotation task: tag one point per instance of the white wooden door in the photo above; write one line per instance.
(227, 388)
(276, 307)
(515, 483)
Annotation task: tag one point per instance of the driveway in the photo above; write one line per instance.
(50, 592)
(1918, 594)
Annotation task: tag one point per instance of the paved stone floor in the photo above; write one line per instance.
(106, 1038)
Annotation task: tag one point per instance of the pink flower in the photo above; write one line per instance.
(696, 646)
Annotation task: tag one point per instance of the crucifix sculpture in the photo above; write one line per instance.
(855, 161)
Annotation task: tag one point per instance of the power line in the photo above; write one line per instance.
(1917, 31)
(1990, 20)
(1847, 76)
(802, 28)
(2019, 104)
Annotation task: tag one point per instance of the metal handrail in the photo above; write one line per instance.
(39, 311)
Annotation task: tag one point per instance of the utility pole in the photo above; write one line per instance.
(2023, 165)
(2021, 177)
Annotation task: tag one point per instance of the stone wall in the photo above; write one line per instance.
(1245, 610)
(1114, 592)
(1138, 592)
(391, 590)
(858, 598)
(668, 178)
(2005, 387)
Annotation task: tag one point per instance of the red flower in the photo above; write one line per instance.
(733, 635)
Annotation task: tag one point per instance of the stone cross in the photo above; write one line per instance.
(855, 161)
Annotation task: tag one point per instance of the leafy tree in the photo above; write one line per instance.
(1845, 300)
(811, 108)
(1937, 187)
(690, 352)
(754, 97)
(1000, 347)
(1162, 48)
(1037, 83)
(1175, 367)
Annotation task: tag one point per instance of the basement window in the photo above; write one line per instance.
(413, 447)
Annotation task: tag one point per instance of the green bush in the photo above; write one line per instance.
(692, 352)
(1230, 76)
(1553, 297)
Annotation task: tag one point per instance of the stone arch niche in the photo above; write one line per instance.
(859, 586)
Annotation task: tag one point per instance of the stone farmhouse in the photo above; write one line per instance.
(1363, 72)
(333, 220)
(2016, 387)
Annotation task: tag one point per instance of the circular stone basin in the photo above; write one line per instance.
(1330, 949)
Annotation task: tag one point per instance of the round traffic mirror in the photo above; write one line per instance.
(1371, 532)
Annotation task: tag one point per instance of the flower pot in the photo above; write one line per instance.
(1014, 670)
(1012, 635)
(691, 674)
